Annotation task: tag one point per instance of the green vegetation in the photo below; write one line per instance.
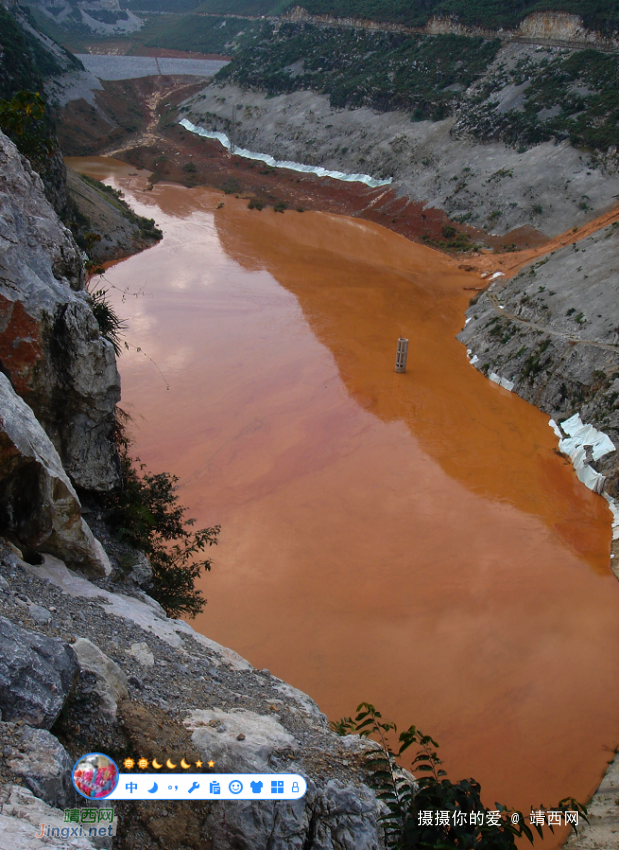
(145, 513)
(148, 228)
(196, 33)
(415, 816)
(180, 29)
(533, 365)
(425, 75)
(490, 14)
(24, 121)
(454, 240)
(231, 186)
(24, 63)
(573, 97)
(110, 325)
(245, 7)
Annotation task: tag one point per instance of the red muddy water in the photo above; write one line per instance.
(410, 540)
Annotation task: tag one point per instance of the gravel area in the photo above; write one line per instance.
(182, 678)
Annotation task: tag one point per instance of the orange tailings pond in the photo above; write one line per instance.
(409, 540)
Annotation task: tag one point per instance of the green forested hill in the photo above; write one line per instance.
(491, 14)
(24, 61)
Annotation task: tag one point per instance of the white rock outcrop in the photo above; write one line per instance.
(111, 682)
(50, 344)
(38, 504)
(239, 741)
(21, 816)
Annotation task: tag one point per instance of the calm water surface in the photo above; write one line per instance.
(410, 540)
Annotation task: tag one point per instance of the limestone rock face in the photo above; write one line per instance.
(335, 817)
(21, 816)
(43, 764)
(37, 501)
(36, 675)
(216, 734)
(50, 345)
(111, 682)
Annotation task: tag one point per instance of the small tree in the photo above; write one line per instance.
(430, 811)
(146, 514)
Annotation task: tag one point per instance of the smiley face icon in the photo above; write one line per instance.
(235, 786)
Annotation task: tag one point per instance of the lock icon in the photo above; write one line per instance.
(295, 787)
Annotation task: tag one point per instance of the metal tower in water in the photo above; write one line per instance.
(400, 358)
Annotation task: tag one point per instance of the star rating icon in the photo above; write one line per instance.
(143, 764)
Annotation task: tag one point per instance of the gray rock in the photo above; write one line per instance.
(39, 614)
(43, 764)
(111, 682)
(36, 675)
(142, 654)
(37, 501)
(215, 734)
(336, 817)
(21, 816)
(50, 344)
(603, 812)
(551, 330)
(141, 571)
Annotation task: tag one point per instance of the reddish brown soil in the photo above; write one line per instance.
(124, 47)
(166, 53)
(136, 122)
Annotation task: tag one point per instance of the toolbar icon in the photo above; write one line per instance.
(277, 786)
(235, 786)
(193, 787)
(215, 788)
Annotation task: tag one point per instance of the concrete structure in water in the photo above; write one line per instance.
(402, 353)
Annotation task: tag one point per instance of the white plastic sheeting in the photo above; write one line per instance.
(585, 435)
(502, 382)
(581, 437)
(292, 166)
(614, 509)
(556, 429)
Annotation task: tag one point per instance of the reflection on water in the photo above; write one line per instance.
(411, 540)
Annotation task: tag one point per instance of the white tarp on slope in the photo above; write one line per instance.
(502, 382)
(579, 438)
(585, 435)
(275, 163)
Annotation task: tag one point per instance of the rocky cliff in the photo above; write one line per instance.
(50, 345)
(552, 333)
(540, 27)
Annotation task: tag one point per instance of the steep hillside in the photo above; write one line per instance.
(521, 97)
(30, 61)
(552, 331)
(27, 57)
(601, 15)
